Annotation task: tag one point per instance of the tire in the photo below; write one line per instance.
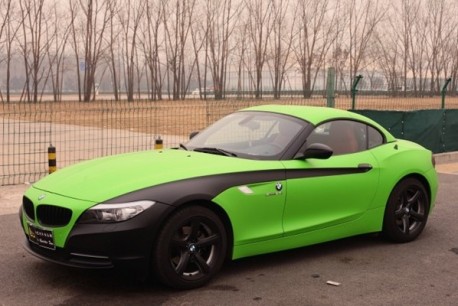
(406, 212)
(190, 249)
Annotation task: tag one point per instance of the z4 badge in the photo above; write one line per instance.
(278, 189)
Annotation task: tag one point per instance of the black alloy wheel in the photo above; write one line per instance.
(190, 249)
(406, 212)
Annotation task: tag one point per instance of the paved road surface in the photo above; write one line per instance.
(370, 270)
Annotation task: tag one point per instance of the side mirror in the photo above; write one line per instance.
(191, 136)
(318, 151)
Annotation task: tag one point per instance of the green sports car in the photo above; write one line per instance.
(260, 180)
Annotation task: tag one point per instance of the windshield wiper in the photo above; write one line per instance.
(215, 151)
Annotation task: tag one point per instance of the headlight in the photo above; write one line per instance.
(110, 213)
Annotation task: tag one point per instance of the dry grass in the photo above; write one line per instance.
(103, 128)
(180, 117)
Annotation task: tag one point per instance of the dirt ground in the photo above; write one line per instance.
(179, 117)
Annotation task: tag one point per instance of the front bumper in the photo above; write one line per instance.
(64, 257)
(101, 246)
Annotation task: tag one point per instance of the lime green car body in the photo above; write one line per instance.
(266, 205)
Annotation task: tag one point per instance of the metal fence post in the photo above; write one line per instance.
(354, 90)
(330, 87)
(444, 91)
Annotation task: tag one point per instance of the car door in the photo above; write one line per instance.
(326, 192)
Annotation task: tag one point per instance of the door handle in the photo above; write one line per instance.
(365, 167)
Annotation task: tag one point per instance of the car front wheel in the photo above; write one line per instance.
(406, 212)
(190, 249)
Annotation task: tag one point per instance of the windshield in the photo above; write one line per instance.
(255, 135)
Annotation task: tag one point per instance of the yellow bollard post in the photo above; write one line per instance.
(158, 143)
(52, 163)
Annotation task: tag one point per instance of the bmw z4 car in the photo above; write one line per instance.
(260, 180)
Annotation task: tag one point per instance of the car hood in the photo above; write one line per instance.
(105, 178)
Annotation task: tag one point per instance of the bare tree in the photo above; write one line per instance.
(239, 56)
(129, 19)
(260, 25)
(34, 45)
(340, 54)
(140, 70)
(10, 24)
(76, 43)
(391, 51)
(452, 49)
(387, 56)
(281, 44)
(173, 42)
(317, 30)
(90, 19)
(58, 33)
(5, 19)
(221, 21)
(402, 27)
(151, 44)
(364, 16)
(418, 62)
(177, 23)
(409, 11)
(439, 32)
(199, 38)
(113, 46)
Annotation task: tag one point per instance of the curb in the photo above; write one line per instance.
(446, 158)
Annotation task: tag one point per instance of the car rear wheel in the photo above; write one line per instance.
(190, 248)
(406, 212)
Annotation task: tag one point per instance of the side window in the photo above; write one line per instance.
(343, 136)
(375, 138)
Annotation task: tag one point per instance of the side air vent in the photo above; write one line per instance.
(49, 215)
(28, 208)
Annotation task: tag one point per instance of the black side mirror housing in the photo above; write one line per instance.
(317, 150)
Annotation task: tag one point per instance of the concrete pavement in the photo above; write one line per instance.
(447, 162)
(10, 198)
